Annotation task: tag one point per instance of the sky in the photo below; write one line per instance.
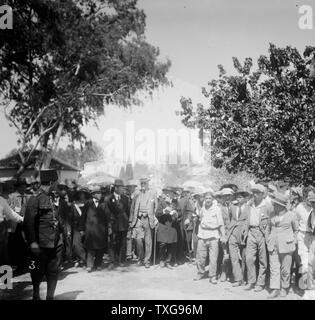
(197, 35)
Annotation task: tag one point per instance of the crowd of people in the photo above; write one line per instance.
(259, 238)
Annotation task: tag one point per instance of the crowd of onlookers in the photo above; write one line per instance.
(262, 237)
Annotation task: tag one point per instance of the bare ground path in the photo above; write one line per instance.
(137, 283)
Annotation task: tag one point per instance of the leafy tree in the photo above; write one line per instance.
(64, 60)
(261, 121)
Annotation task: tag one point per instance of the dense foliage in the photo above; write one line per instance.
(261, 121)
(65, 59)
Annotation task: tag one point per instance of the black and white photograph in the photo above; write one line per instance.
(157, 150)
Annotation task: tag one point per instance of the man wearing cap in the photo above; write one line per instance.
(257, 233)
(281, 245)
(44, 236)
(94, 228)
(143, 220)
(119, 207)
(211, 230)
(239, 215)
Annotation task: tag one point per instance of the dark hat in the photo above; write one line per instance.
(20, 182)
(168, 189)
(232, 186)
(47, 176)
(95, 189)
(62, 186)
(242, 194)
(119, 183)
(86, 191)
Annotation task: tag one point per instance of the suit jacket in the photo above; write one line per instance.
(186, 211)
(94, 223)
(119, 212)
(283, 232)
(75, 217)
(153, 203)
(237, 226)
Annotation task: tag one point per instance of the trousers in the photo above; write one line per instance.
(94, 258)
(256, 245)
(46, 264)
(205, 247)
(143, 236)
(166, 251)
(235, 250)
(118, 246)
(77, 245)
(280, 269)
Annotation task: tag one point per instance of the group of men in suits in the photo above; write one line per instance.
(258, 234)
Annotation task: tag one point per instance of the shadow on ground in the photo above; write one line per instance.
(71, 295)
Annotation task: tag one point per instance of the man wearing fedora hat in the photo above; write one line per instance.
(143, 221)
(119, 207)
(256, 234)
(281, 244)
(93, 228)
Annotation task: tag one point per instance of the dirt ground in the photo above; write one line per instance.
(135, 282)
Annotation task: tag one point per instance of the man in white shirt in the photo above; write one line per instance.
(211, 230)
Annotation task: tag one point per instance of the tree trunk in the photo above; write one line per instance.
(50, 154)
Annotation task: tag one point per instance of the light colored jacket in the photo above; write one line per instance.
(134, 210)
(282, 236)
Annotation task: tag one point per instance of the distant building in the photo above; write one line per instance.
(10, 165)
(108, 166)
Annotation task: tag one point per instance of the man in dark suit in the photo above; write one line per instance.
(236, 229)
(64, 207)
(44, 236)
(119, 206)
(94, 225)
